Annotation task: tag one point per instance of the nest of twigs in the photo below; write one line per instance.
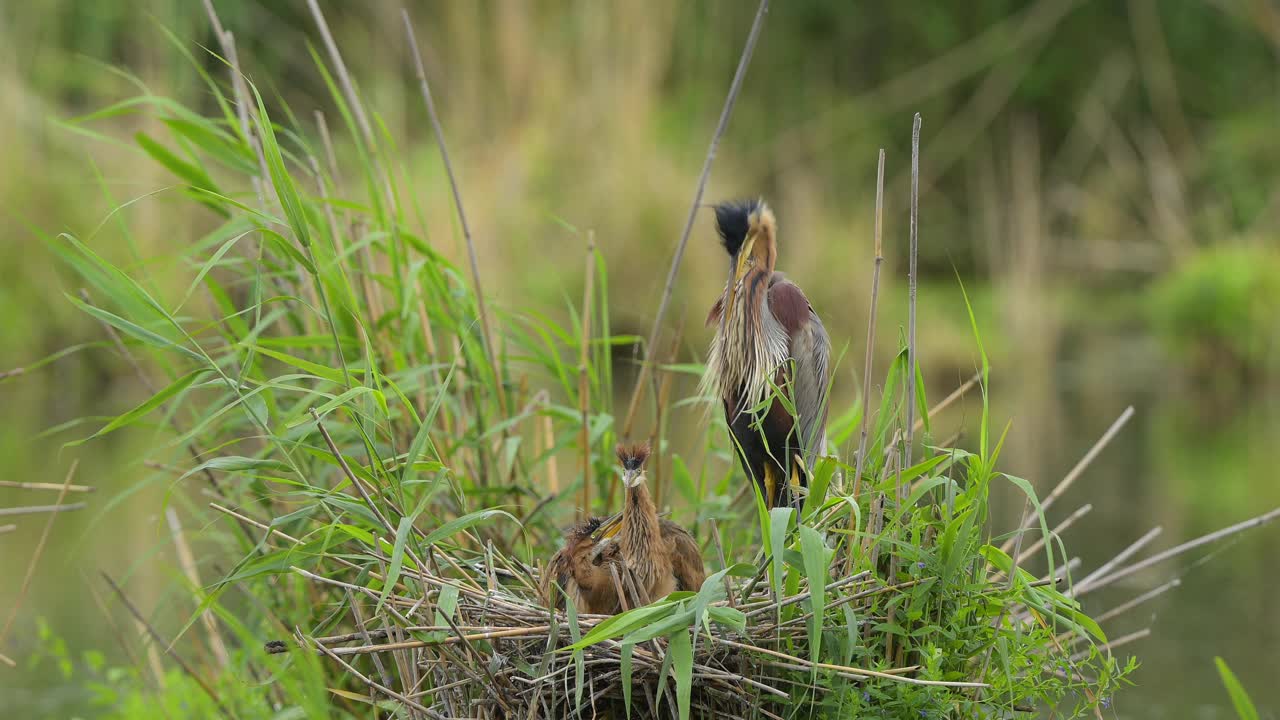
(500, 653)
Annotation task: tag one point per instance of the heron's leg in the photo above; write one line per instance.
(770, 485)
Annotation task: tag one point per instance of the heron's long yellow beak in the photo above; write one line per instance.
(740, 270)
(744, 257)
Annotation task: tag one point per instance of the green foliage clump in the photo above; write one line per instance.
(1221, 306)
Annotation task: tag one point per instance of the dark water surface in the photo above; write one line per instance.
(1191, 462)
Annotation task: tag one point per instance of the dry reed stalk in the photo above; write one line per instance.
(226, 40)
(40, 509)
(37, 553)
(871, 328)
(47, 486)
(1116, 561)
(900, 492)
(1172, 552)
(1070, 478)
(913, 282)
(438, 130)
(168, 647)
(548, 435)
(646, 366)
(660, 476)
(187, 561)
(584, 381)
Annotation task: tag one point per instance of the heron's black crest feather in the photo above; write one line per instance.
(634, 457)
(733, 219)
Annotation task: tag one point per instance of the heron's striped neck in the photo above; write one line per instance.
(749, 346)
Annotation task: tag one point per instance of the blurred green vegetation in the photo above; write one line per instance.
(1093, 167)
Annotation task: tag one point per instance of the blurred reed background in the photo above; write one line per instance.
(1102, 176)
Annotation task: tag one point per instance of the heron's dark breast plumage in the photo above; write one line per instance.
(768, 451)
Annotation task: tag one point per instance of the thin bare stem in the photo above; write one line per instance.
(36, 554)
(370, 681)
(734, 88)
(37, 509)
(871, 327)
(1144, 597)
(47, 486)
(850, 670)
(1116, 561)
(913, 282)
(187, 561)
(1105, 647)
(1186, 546)
(1071, 477)
(168, 647)
(344, 78)
(457, 200)
(584, 379)
(355, 481)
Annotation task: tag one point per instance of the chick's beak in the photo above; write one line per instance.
(632, 478)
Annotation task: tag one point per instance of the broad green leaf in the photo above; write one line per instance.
(623, 623)
(134, 330)
(422, 438)
(336, 403)
(218, 144)
(459, 524)
(280, 178)
(814, 551)
(403, 530)
(146, 407)
(580, 668)
(680, 620)
(1239, 698)
(624, 662)
(237, 463)
(321, 371)
(729, 617)
(819, 482)
(713, 590)
(192, 174)
(779, 519)
(682, 662)
(209, 265)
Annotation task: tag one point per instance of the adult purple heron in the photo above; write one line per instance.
(767, 337)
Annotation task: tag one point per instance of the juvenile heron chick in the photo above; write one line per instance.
(660, 555)
(767, 336)
(651, 556)
(580, 569)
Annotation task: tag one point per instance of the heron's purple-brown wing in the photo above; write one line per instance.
(810, 350)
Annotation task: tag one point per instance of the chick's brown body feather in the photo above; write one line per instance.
(653, 557)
